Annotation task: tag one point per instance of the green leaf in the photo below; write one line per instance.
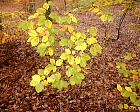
(48, 23)
(40, 72)
(70, 43)
(23, 25)
(92, 31)
(40, 10)
(41, 49)
(71, 71)
(126, 106)
(63, 42)
(128, 56)
(137, 103)
(35, 41)
(132, 84)
(95, 49)
(120, 106)
(133, 98)
(59, 62)
(40, 87)
(126, 93)
(60, 84)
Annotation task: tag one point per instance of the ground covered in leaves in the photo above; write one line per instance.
(97, 93)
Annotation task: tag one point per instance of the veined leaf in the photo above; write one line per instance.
(44, 38)
(70, 28)
(63, 42)
(95, 49)
(119, 87)
(40, 29)
(128, 89)
(59, 62)
(128, 56)
(137, 103)
(92, 31)
(41, 49)
(133, 98)
(77, 60)
(71, 60)
(35, 80)
(103, 18)
(40, 87)
(48, 23)
(50, 51)
(40, 10)
(67, 51)
(126, 106)
(81, 47)
(46, 6)
(64, 56)
(40, 72)
(45, 83)
(52, 61)
(91, 40)
(32, 33)
(35, 41)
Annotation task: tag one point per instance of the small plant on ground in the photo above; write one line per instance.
(69, 50)
(130, 89)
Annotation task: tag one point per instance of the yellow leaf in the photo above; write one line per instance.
(67, 51)
(46, 6)
(77, 60)
(95, 10)
(40, 30)
(50, 51)
(70, 28)
(36, 78)
(45, 82)
(73, 52)
(128, 89)
(119, 87)
(91, 40)
(59, 62)
(45, 39)
(42, 77)
(50, 79)
(52, 61)
(103, 18)
(71, 60)
(64, 56)
(46, 71)
(32, 33)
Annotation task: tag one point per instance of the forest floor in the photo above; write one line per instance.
(97, 93)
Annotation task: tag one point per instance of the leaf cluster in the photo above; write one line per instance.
(76, 48)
